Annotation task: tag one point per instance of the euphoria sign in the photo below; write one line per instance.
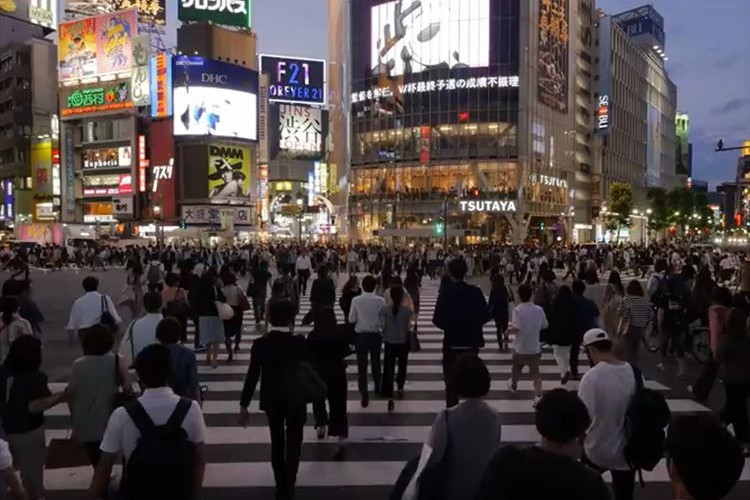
(295, 80)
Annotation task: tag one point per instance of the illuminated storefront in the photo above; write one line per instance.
(450, 116)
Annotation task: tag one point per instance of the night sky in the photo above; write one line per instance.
(708, 45)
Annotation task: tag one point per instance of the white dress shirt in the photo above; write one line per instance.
(87, 311)
(303, 263)
(143, 332)
(365, 312)
(122, 435)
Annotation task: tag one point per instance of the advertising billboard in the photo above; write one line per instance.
(227, 12)
(228, 171)
(150, 12)
(214, 98)
(41, 167)
(300, 130)
(552, 57)
(295, 79)
(409, 36)
(161, 85)
(96, 46)
(39, 12)
(108, 185)
(95, 99)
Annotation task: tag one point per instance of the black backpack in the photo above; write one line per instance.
(645, 420)
(163, 464)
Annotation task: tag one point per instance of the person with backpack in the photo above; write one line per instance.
(272, 357)
(184, 375)
(155, 274)
(160, 435)
(607, 390)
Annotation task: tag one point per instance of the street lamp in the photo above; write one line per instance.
(300, 202)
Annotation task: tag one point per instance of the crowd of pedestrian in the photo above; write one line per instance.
(134, 394)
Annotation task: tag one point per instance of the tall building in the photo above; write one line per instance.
(684, 152)
(461, 117)
(28, 124)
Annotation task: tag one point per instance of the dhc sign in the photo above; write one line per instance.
(487, 205)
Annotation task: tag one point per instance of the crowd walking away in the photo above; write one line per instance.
(592, 324)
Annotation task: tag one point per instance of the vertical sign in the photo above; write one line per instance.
(142, 163)
(263, 191)
(263, 119)
(139, 86)
(70, 195)
(161, 85)
(310, 188)
(552, 58)
(604, 100)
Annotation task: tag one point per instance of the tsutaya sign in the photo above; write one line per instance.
(481, 82)
(487, 205)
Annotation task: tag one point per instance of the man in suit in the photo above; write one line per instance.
(461, 312)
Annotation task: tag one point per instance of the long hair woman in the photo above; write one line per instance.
(395, 321)
(12, 325)
(328, 346)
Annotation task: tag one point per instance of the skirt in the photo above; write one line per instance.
(211, 329)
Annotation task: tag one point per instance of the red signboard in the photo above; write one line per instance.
(161, 149)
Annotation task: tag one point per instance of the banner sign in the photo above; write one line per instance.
(227, 12)
(139, 86)
(108, 185)
(150, 12)
(295, 79)
(96, 46)
(552, 59)
(107, 158)
(96, 99)
(122, 205)
(482, 82)
(211, 214)
(41, 168)
(300, 130)
(161, 85)
(487, 205)
(228, 171)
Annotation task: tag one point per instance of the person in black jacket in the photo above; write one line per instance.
(461, 312)
(328, 346)
(563, 330)
(270, 358)
(499, 299)
(322, 294)
(351, 289)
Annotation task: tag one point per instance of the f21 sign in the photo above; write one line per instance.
(295, 80)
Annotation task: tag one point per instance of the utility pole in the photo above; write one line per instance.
(445, 223)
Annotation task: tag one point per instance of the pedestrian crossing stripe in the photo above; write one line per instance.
(238, 460)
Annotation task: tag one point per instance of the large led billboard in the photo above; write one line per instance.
(96, 46)
(300, 130)
(227, 12)
(149, 11)
(228, 171)
(295, 79)
(552, 58)
(214, 98)
(411, 36)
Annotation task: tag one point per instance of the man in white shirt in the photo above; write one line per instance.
(606, 390)
(527, 321)
(88, 308)
(303, 265)
(351, 261)
(159, 402)
(365, 316)
(142, 331)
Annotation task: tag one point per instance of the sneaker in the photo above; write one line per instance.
(660, 366)
(511, 386)
(391, 406)
(565, 378)
(365, 401)
(321, 431)
(536, 401)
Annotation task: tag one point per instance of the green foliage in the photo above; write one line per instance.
(620, 201)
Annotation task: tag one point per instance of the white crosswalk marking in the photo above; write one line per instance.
(379, 443)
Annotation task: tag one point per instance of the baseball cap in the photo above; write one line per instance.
(593, 336)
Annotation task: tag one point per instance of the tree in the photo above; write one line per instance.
(658, 219)
(620, 201)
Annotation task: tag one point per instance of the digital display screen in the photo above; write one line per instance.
(295, 79)
(214, 98)
(411, 36)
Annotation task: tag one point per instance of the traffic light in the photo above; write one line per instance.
(439, 228)
(541, 225)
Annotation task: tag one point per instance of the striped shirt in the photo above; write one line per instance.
(635, 310)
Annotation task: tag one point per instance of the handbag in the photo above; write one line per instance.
(122, 396)
(301, 385)
(414, 345)
(224, 310)
(244, 303)
(106, 318)
(705, 381)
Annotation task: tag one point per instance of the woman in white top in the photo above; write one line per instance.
(12, 325)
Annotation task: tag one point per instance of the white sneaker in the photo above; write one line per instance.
(661, 366)
(536, 401)
(321, 432)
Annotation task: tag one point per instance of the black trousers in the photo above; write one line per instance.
(735, 409)
(368, 344)
(286, 445)
(304, 275)
(575, 350)
(623, 481)
(334, 376)
(450, 355)
(394, 353)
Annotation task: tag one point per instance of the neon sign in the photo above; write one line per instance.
(96, 99)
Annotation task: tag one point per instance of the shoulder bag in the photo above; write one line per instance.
(223, 310)
(244, 303)
(107, 319)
